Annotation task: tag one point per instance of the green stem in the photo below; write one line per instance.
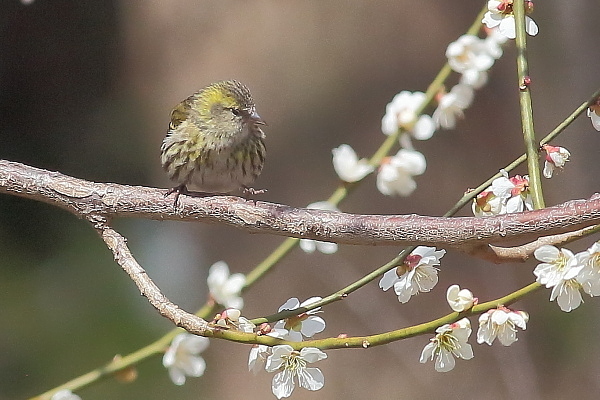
(533, 167)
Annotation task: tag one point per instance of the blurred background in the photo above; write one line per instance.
(86, 88)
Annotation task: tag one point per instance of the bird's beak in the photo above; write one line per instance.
(254, 117)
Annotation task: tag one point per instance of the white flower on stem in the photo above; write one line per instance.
(400, 113)
(305, 324)
(182, 359)
(347, 165)
(469, 53)
(416, 274)
(500, 14)
(310, 245)
(395, 176)
(556, 157)
(451, 106)
(594, 113)
(65, 394)
(514, 193)
(260, 352)
(291, 365)
(589, 276)
(567, 294)
(559, 270)
(501, 323)
(460, 299)
(449, 342)
(224, 288)
(487, 203)
(232, 318)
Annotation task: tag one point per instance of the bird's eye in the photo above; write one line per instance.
(236, 112)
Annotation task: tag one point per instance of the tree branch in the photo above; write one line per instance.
(117, 244)
(85, 198)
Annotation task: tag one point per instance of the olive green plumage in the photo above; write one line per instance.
(214, 143)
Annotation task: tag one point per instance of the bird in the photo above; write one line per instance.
(215, 144)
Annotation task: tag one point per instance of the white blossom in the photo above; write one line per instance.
(347, 165)
(417, 274)
(225, 288)
(65, 394)
(451, 106)
(500, 15)
(594, 113)
(501, 323)
(556, 157)
(310, 245)
(292, 367)
(260, 352)
(449, 342)
(589, 276)
(232, 318)
(305, 324)
(459, 299)
(400, 113)
(559, 270)
(182, 359)
(395, 176)
(469, 53)
(505, 195)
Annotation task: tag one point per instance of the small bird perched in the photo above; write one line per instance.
(214, 143)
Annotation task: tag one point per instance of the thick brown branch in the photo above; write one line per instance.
(85, 198)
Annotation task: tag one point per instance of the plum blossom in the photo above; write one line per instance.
(347, 165)
(559, 270)
(395, 176)
(310, 245)
(224, 288)
(469, 53)
(500, 15)
(451, 106)
(65, 394)
(232, 318)
(292, 368)
(589, 276)
(416, 274)
(306, 324)
(501, 323)
(556, 157)
(505, 195)
(594, 113)
(487, 203)
(449, 342)
(260, 352)
(401, 113)
(182, 359)
(460, 299)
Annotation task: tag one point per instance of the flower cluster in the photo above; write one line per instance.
(451, 340)
(289, 364)
(418, 273)
(505, 195)
(567, 274)
(500, 14)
